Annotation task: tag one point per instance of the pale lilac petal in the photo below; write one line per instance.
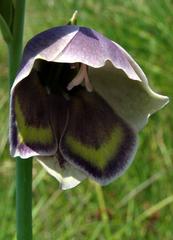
(74, 44)
(46, 45)
(134, 101)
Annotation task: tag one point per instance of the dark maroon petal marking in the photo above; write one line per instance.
(91, 122)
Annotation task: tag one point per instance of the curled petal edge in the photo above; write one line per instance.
(68, 177)
(124, 61)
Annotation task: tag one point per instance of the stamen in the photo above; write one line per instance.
(78, 79)
(88, 84)
(81, 76)
(74, 65)
(48, 90)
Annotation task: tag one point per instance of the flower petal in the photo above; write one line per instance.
(134, 101)
(45, 45)
(68, 176)
(96, 140)
(129, 103)
(31, 133)
(70, 44)
(93, 49)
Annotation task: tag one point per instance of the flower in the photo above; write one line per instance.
(77, 104)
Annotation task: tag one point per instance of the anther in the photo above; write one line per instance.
(81, 76)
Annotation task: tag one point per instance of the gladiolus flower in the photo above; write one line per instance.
(77, 104)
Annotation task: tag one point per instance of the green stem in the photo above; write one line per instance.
(24, 199)
(23, 167)
(103, 211)
(15, 45)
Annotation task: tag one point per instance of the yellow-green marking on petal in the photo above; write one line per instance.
(28, 133)
(98, 157)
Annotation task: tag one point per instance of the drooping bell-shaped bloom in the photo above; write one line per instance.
(77, 104)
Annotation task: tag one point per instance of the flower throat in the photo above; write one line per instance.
(63, 78)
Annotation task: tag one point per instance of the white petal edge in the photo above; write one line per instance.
(163, 100)
(68, 177)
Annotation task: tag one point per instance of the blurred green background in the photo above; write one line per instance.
(139, 205)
